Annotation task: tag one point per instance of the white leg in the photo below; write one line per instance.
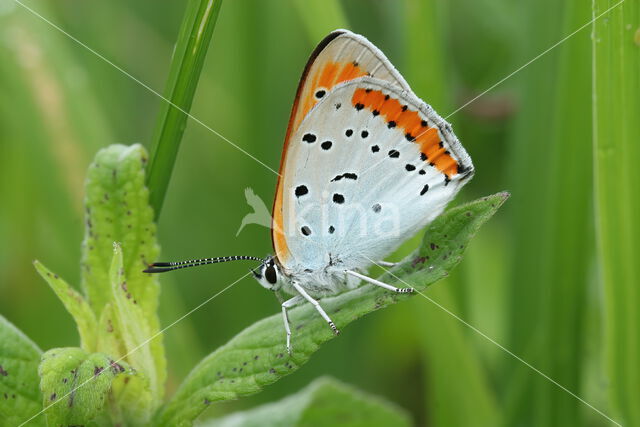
(286, 305)
(386, 264)
(315, 303)
(379, 283)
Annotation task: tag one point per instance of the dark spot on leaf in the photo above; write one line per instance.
(433, 246)
(207, 401)
(53, 396)
(97, 370)
(256, 357)
(272, 371)
(418, 260)
(234, 369)
(3, 372)
(280, 356)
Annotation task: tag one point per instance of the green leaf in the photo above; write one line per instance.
(616, 95)
(75, 384)
(256, 357)
(188, 59)
(118, 211)
(324, 402)
(75, 305)
(19, 394)
(133, 328)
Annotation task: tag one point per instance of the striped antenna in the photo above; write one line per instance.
(161, 267)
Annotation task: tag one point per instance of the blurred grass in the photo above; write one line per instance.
(526, 276)
(616, 86)
(551, 164)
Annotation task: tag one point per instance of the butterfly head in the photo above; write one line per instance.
(268, 274)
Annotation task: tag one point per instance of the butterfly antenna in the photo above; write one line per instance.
(161, 267)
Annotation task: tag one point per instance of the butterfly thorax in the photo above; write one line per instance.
(326, 279)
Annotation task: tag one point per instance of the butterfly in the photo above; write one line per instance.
(365, 165)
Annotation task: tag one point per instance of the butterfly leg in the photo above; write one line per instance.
(379, 283)
(386, 264)
(285, 316)
(315, 303)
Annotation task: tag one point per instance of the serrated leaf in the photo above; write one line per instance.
(324, 402)
(19, 394)
(75, 305)
(257, 357)
(117, 210)
(75, 384)
(132, 326)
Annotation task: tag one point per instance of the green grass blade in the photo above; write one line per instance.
(256, 357)
(616, 86)
(188, 60)
(551, 167)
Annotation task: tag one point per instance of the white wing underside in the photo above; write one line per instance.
(383, 204)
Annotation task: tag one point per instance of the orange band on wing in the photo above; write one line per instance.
(326, 78)
(411, 124)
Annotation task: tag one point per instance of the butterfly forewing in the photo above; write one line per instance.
(342, 56)
(368, 166)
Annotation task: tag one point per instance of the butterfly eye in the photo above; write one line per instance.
(271, 275)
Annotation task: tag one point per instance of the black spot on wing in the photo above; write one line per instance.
(338, 198)
(309, 137)
(301, 190)
(326, 145)
(346, 175)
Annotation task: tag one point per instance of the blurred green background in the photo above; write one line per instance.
(539, 279)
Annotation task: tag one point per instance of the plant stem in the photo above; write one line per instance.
(191, 49)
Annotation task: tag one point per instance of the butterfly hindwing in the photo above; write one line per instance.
(342, 56)
(368, 167)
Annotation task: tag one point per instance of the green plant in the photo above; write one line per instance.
(117, 374)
